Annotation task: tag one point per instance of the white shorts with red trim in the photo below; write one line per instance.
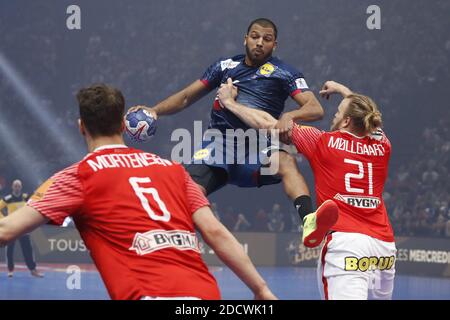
(355, 266)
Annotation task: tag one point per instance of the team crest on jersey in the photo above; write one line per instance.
(266, 69)
(362, 202)
(201, 154)
(154, 240)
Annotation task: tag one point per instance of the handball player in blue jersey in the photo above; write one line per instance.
(263, 82)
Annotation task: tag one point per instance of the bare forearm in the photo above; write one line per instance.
(21, 222)
(181, 99)
(344, 91)
(173, 104)
(252, 117)
(232, 254)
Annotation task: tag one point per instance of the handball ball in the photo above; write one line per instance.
(140, 125)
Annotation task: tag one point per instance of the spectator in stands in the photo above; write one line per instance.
(242, 223)
(276, 219)
(260, 221)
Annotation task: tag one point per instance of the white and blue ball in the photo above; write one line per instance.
(140, 125)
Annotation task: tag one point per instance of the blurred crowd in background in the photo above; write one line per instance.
(404, 67)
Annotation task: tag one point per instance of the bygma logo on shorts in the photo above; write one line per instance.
(369, 263)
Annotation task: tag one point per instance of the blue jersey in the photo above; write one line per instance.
(265, 87)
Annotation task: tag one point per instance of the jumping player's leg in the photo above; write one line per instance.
(293, 182)
(315, 224)
(209, 178)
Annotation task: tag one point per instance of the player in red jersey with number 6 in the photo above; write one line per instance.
(350, 166)
(136, 213)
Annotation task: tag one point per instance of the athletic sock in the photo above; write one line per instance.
(303, 204)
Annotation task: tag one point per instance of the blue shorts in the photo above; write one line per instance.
(241, 159)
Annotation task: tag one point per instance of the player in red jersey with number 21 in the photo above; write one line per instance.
(350, 166)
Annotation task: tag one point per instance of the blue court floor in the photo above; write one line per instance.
(286, 282)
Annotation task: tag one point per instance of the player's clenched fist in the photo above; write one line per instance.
(285, 124)
(227, 92)
(330, 87)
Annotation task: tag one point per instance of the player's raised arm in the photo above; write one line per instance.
(254, 118)
(21, 222)
(178, 101)
(230, 252)
(333, 87)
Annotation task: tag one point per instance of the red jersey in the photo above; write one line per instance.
(351, 170)
(134, 212)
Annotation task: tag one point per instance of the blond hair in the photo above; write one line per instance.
(364, 113)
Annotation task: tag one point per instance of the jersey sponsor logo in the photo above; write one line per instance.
(369, 263)
(356, 147)
(201, 154)
(126, 160)
(40, 192)
(228, 64)
(155, 240)
(301, 83)
(266, 69)
(363, 202)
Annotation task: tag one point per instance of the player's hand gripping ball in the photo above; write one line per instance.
(140, 125)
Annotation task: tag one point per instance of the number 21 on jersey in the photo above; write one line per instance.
(360, 175)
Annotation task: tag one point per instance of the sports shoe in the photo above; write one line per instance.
(317, 224)
(10, 274)
(36, 274)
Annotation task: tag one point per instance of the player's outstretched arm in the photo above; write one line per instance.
(230, 252)
(21, 222)
(254, 118)
(177, 102)
(333, 87)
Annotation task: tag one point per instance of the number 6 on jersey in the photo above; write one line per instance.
(141, 191)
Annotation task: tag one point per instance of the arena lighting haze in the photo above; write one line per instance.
(23, 157)
(40, 112)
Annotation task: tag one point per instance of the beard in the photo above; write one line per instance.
(257, 60)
